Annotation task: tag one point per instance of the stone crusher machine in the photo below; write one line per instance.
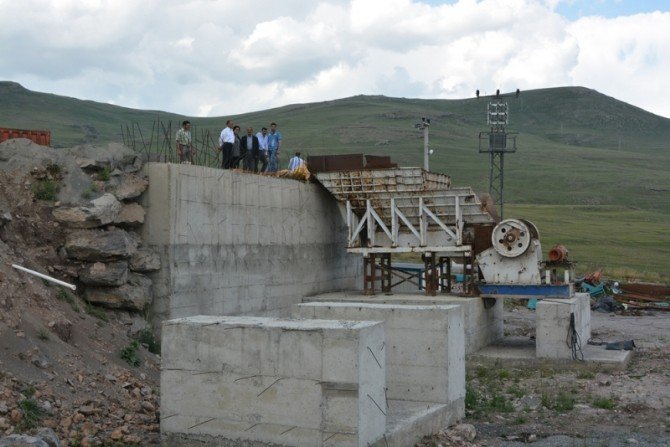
(410, 210)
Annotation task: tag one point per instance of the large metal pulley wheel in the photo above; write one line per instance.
(511, 237)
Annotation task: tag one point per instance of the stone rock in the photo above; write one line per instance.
(93, 165)
(103, 210)
(136, 325)
(49, 436)
(97, 245)
(131, 214)
(62, 328)
(465, 431)
(145, 260)
(22, 441)
(135, 295)
(129, 186)
(105, 274)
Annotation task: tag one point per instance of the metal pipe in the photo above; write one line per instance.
(46, 277)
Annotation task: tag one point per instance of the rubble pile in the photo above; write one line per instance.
(72, 368)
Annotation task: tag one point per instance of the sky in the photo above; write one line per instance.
(225, 57)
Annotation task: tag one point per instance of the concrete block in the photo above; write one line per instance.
(269, 381)
(425, 351)
(552, 320)
(482, 324)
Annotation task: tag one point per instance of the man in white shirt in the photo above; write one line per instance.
(226, 140)
(263, 148)
(295, 162)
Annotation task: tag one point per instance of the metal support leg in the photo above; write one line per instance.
(369, 274)
(431, 273)
(385, 262)
(445, 274)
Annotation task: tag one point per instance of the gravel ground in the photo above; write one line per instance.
(510, 406)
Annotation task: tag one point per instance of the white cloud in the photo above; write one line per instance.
(203, 57)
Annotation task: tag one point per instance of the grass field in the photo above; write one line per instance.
(628, 243)
(590, 171)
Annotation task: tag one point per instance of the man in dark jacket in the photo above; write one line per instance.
(249, 146)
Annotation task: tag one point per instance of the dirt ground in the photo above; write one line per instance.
(574, 405)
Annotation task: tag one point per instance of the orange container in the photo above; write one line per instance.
(42, 137)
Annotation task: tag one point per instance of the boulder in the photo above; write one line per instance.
(102, 211)
(129, 186)
(62, 328)
(22, 441)
(131, 215)
(105, 274)
(134, 295)
(99, 245)
(145, 260)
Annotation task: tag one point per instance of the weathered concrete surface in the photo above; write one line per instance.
(552, 320)
(482, 325)
(233, 381)
(233, 243)
(425, 350)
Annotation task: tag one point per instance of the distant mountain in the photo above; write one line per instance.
(575, 145)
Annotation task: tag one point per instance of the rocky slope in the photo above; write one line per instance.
(75, 362)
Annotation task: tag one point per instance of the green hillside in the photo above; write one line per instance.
(585, 163)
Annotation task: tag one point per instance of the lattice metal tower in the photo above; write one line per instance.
(497, 142)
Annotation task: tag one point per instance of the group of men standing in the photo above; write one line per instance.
(258, 153)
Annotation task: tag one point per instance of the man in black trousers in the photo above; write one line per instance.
(250, 149)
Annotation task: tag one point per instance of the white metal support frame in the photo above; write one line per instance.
(371, 220)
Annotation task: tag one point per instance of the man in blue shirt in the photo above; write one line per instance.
(274, 146)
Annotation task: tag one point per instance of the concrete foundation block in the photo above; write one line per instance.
(425, 351)
(265, 381)
(552, 320)
(483, 320)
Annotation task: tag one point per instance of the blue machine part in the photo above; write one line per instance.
(525, 290)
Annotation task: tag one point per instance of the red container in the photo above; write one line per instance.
(42, 137)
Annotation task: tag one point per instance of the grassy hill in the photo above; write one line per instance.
(590, 170)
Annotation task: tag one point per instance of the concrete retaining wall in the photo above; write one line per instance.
(247, 381)
(425, 351)
(240, 244)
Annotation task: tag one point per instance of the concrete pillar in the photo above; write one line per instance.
(552, 321)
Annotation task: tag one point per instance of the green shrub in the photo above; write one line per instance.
(606, 403)
(96, 312)
(46, 189)
(32, 413)
(66, 296)
(104, 175)
(129, 354)
(147, 338)
(43, 334)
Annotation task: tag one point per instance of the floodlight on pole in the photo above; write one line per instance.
(424, 125)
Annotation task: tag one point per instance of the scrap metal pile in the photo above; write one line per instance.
(611, 296)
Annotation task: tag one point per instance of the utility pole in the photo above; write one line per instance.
(424, 125)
